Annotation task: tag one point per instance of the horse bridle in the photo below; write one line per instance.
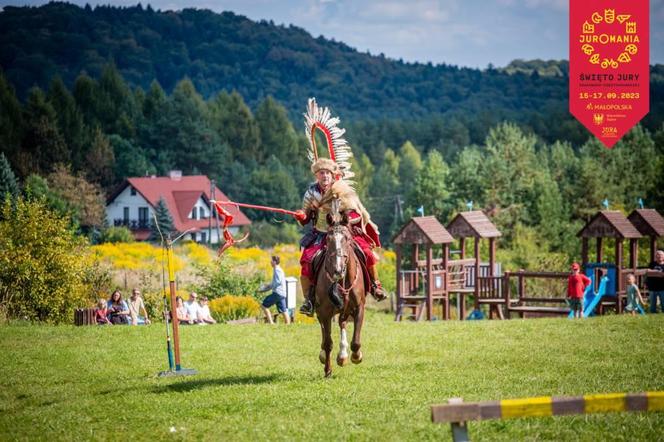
(345, 257)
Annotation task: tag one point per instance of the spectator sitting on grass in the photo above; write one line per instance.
(192, 306)
(101, 313)
(181, 311)
(118, 310)
(204, 316)
(135, 306)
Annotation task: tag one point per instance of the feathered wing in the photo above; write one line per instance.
(320, 118)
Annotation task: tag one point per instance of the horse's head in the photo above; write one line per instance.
(338, 240)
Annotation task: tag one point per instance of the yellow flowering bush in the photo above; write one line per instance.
(196, 253)
(227, 308)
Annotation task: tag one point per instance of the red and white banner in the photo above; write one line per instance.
(609, 65)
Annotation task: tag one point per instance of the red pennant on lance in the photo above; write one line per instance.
(609, 82)
(228, 220)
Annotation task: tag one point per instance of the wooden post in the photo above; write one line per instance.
(492, 256)
(399, 279)
(459, 429)
(507, 289)
(416, 278)
(584, 251)
(429, 282)
(633, 253)
(600, 255)
(174, 314)
(477, 272)
(462, 247)
(653, 248)
(446, 256)
(619, 246)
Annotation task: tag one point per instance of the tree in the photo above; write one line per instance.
(69, 120)
(8, 184)
(100, 160)
(272, 185)
(232, 120)
(431, 188)
(164, 222)
(42, 263)
(43, 146)
(85, 201)
(11, 120)
(410, 163)
(278, 137)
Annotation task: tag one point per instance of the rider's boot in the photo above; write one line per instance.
(376, 287)
(307, 307)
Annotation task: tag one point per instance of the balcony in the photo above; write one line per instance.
(132, 224)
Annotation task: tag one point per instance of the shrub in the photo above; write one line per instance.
(220, 279)
(228, 308)
(42, 263)
(116, 235)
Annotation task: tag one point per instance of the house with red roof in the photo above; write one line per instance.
(187, 199)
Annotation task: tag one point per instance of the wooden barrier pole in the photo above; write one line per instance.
(457, 413)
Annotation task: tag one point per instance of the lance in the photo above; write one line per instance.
(257, 207)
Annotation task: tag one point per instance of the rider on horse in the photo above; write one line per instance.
(330, 176)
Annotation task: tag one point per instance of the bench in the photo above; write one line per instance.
(84, 316)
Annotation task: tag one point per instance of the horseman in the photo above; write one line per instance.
(331, 182)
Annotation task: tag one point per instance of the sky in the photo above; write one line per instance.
(471, 33)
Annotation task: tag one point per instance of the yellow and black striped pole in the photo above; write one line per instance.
(458, 413)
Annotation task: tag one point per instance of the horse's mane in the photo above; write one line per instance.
(348, 201)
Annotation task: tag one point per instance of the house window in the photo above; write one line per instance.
(125, 215)
(143, 217)
(203, 237)
(133, 191)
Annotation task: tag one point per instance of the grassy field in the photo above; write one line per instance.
(262, 382)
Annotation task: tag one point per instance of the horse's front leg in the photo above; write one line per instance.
(356, 356)
(326, 344)
(342, 357)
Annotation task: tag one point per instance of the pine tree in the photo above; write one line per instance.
(8, 184)
(164, 221)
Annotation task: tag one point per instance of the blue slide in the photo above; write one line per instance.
(590, 298)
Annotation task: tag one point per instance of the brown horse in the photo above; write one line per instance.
(340, 290)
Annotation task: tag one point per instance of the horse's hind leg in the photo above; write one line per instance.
(356, 356)
(342, 357)
(326, 345)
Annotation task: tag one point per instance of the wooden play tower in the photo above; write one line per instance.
(421, 283)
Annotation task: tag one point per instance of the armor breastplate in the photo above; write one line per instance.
(312, 198)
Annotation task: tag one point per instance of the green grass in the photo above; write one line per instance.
(258, 382)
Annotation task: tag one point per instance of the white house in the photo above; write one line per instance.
(187, 199)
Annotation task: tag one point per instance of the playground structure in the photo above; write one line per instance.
(526, 293)
(459, 277)
(457, 413)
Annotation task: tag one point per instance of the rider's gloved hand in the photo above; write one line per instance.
(300, 216)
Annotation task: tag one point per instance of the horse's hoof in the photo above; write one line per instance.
(328, 374)
(322, 356)
(342, 361)
(356, 358)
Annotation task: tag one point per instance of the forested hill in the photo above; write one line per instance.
(228, 51)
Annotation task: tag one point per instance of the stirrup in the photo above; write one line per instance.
(307, 308)
(377, 291)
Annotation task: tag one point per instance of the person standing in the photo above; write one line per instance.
(655, 282)
(634, 299)
(278, 295)
(576, 285)
(135, 306)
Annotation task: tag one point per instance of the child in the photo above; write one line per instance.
(634, 299)
(576, 285)
(101, 312)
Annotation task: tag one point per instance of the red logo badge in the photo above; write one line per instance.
(609, 82)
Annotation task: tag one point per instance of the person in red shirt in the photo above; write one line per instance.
(101, 313)
(576, 285)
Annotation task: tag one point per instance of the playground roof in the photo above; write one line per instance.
(648, 221)
(472, 224)
(609, 224)
(423, 230)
